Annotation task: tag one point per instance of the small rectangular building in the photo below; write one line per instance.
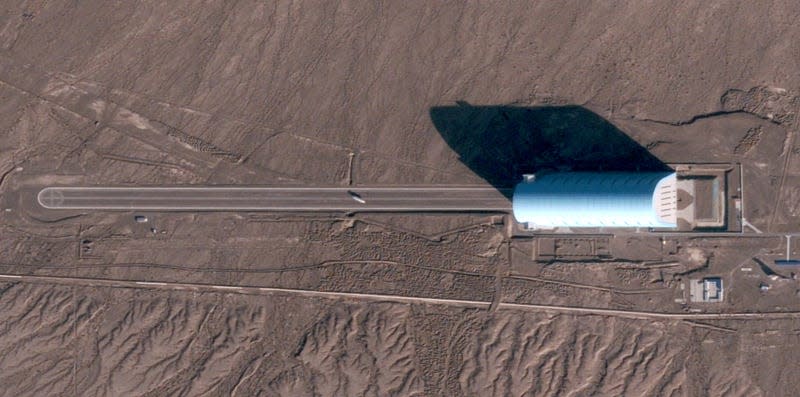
(708, 289)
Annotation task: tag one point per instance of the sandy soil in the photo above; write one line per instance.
(308, 93)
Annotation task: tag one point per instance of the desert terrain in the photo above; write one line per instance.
(355, 95)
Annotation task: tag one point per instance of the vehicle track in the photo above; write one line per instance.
(251, 290)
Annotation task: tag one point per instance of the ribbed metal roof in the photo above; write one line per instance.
(597, 199)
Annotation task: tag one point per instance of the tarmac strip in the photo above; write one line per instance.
(207, 198)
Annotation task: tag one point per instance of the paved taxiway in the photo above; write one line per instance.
(455, 199)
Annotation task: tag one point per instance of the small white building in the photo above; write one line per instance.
(708, 289)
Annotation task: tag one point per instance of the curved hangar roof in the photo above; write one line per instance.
(597, 199)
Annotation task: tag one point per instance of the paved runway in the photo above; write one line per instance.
(449, 199)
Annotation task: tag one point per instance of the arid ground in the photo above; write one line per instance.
(377, 93)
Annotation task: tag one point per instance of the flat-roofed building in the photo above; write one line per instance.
(708, 289)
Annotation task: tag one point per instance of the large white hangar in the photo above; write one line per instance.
(597, 199)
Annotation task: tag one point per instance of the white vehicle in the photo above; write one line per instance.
(356, 197)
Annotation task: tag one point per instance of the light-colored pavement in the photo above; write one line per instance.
(455, 199)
